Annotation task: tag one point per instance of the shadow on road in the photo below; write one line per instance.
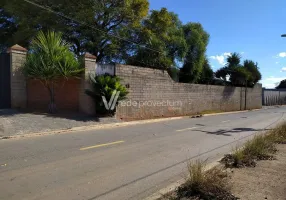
(225, 132)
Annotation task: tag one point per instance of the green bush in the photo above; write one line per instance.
(104, 86)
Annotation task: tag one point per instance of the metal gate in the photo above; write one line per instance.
(5, 89)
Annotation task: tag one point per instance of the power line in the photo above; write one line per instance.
(92, 27)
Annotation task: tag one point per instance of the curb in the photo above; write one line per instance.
(232, 112)
(112, 125)
(92, 127)
(172, 187)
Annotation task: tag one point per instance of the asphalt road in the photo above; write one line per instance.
(129, 162)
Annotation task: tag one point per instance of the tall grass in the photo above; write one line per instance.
(202, 184)
(261, 147)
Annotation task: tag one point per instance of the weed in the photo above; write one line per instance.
(201, 184)
(261, 147)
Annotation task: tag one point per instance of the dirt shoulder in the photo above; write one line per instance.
(266, 181)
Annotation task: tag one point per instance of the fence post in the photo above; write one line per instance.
(18, 80)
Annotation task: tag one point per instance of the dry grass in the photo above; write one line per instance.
(261, 147)
(201, 184)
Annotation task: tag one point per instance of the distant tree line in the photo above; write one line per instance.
(124, 31)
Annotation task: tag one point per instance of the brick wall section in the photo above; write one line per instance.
(66, 95)
(18, 80)
(86, 103)
(146, 84)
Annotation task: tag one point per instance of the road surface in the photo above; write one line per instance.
(129, 162)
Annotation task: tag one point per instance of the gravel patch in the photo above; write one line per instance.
(14, 123)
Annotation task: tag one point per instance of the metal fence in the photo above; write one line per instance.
(271, 97)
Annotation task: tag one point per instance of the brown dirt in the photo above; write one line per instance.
(266, 181)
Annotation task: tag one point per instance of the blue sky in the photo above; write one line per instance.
(250, 27)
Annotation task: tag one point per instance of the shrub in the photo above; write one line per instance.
(104, 86)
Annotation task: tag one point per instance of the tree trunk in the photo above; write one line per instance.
(52, 104)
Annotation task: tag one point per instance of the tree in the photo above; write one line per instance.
(207, 75)
(49, 60)
(282, 84)
(233, 60)
(95, 22)
(197, 40)
(162, 40)
(253, 69)
(239, 74)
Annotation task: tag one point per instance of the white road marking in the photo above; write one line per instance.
(225, 121)
(186, 129)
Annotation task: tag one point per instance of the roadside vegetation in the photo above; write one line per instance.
(203, 184)
(104, 86)
(216, 183)
(261, 147)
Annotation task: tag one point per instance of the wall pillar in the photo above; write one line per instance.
(18, 80)
(86, 103)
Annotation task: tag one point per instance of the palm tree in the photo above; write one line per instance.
(233, 60)
(49, 60)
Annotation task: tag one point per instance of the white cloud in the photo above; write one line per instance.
(227, 54)
(283, 69)
(282, 54)
(276, 62)
(221, 58)
(271, 82)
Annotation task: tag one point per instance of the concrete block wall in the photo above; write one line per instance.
(170, 98)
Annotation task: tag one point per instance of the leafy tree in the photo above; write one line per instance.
(49, 60)
(282, 84)
(118, 18)
(197, 40)
(239, 74)
(207, 75)
(104, 86)
(161, 31)
(253, 69)
(222, 73)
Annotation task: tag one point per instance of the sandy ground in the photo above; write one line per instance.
(266, 181)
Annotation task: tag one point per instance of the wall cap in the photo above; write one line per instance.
(16, 47)
(90, 56)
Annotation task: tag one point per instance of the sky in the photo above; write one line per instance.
(252, 28)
